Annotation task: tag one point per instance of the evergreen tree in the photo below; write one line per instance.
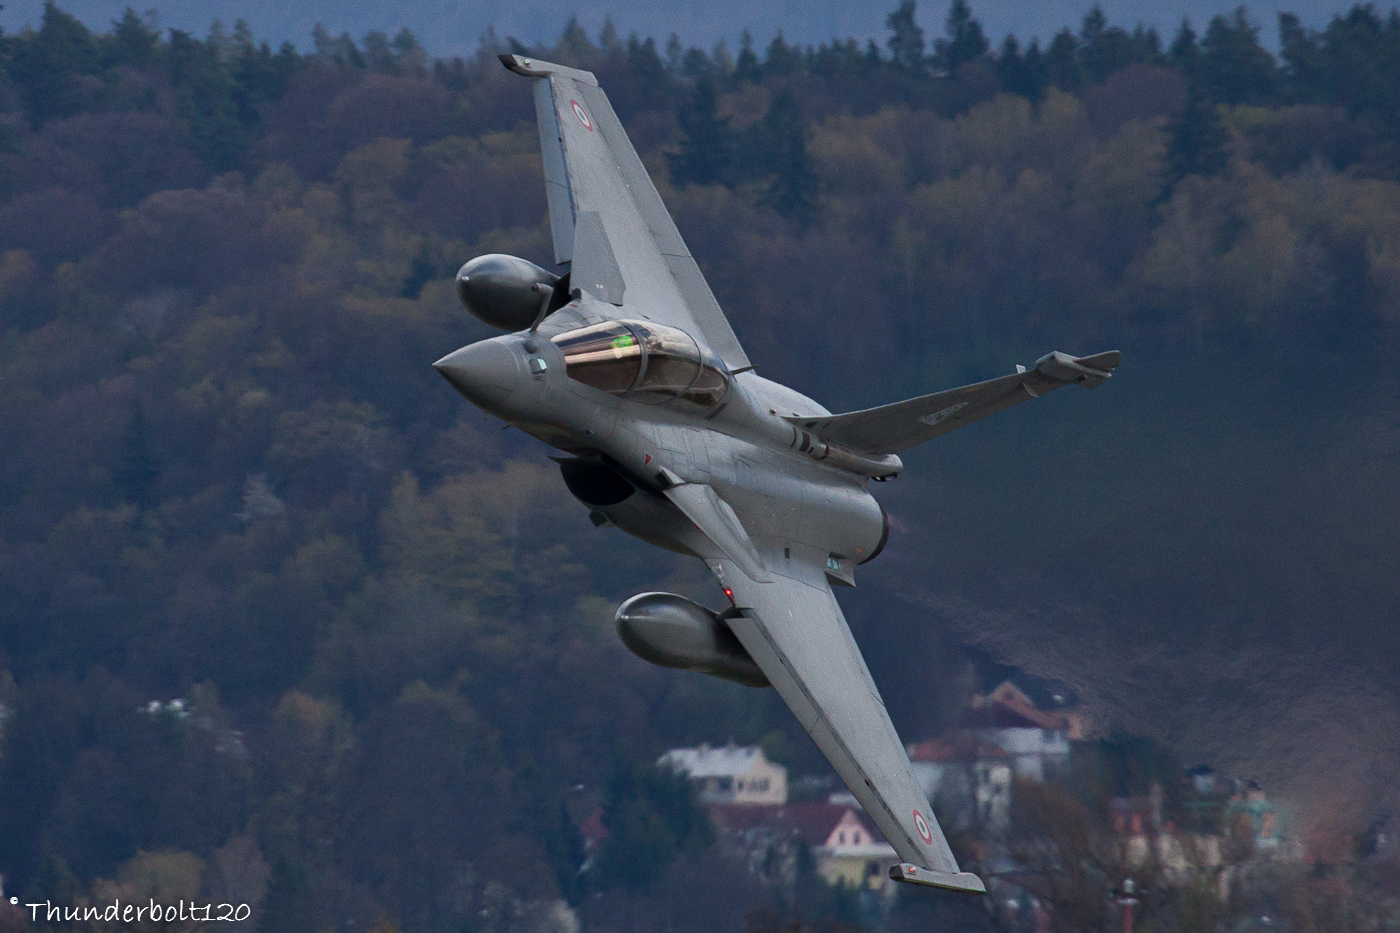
(1062, 67)
(651, 84)
(607, 36)
(1017, 73)
(706, 144)
(674, 49)
(1033, 62)
(573, 45)
(1358, 65)
(781, 58)
(746, 65)
(651, 816)
(1185, 53)
(137, 469)
(1301, 57)
(379, 54)
(1234, 67)
(1104, 49)
(792, 190)
(907, 40)
(1199, 141)
(965, 42)
(133, 41)
(49, 68)
(205, 101)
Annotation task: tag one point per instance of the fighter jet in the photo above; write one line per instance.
(624, 362)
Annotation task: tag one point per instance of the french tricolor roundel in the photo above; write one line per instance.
(582, 115)
(921, 825)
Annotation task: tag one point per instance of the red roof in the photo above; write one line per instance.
(1010, 709)
(956, 746)
(812, 822)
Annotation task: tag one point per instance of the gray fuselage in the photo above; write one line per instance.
(792, 505)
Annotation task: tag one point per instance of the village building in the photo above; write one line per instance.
(730, 774)
(845, 846)
(968, 779)
(1037, 740)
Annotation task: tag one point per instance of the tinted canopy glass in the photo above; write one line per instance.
(605, 356)
(648, 362)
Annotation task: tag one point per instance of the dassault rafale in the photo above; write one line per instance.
(625, 363)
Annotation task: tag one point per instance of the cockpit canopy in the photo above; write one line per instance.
(648, 362)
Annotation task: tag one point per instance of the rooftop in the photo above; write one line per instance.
(706, 761)
(955, 746)
(812, 822)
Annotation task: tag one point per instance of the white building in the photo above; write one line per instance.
(1037, 740)
(738, 774)
(968, 778)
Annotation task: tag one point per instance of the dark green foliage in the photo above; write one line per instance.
(707, 143)
(58, 70)
(652, 817)
(964, 41)
(907, 40)
(746, 65)
(1062, 64)
(782, 152)
(137, 469)
(1234, 67)
(133, 41)
(1021, 74)
(780, 58)
(1185, 52)
(1200, 144)
(287, 903)
(1105, 49)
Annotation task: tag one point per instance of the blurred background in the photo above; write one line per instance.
(284, 621)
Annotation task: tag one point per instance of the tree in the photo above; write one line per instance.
(792, 190)
(1199, 141)
(1062, 67)
(706, 142)
(746, 65)
(965, 41)
(780, 58)
(53, 69)
(907, 40)
(137, 468)
(1185, 53)
(651, 816)
(1105, 49)
(1235, 68)
(133, 41)
(1021, 74)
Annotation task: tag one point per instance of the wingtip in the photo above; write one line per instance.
(964, 881)
(534, 68)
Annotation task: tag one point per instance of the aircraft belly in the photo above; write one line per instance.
(786, 503)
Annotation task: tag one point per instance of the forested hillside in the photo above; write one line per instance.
(232, 477)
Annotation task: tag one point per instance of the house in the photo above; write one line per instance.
(730, 774)
(1037, 740)
(845, 845)
(968, 778)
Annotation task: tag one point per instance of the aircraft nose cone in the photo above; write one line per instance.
(484, 372)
